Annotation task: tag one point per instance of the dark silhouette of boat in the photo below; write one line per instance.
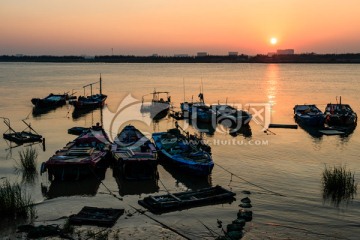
(51, 101)
(230, 116)
(135, 155)
(339, 114)
(309, 115)
(188, 199)
(28, 135)
(85, 156)
(90, 102)
(159, 105)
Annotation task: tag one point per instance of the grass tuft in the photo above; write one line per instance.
(338, 184)
(14, 202)
(27, 164)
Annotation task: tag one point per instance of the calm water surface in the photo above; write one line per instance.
(281, 168)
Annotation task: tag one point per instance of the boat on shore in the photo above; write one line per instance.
(339, 114)
(188, 199)
(90, 102)
(85, 156)
(309, 115)
(190, 155)
(135, 155)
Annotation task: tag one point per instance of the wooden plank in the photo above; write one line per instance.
(292, 126)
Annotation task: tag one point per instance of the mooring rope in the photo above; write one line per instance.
(140, 211)
(253, 184)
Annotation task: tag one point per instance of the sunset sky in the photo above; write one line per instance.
(168, 27)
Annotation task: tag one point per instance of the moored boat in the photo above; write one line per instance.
(230, 116)
(26, 136)
(159, 106)
(135, 155)
(85, 156)
(309, 114)
(51, 101)
(339, 114)
(189, 155)
(188, 199)
(90, 102)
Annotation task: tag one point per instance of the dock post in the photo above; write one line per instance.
(43, 143)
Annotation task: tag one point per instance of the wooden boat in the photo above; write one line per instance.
(105, 217)
(309, 114)
(51, 101)
(159, 105)
(90, 102)
(26, 136)
(197, 111)
(77, 130)
(340, 114)
(230, 116)
(189, 155)
(85, 156)
(135, 155)
(188, 199)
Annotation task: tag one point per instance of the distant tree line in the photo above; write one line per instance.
(276, 58)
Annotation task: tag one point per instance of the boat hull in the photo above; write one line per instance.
(340, 115)
(197, 163)
(22, 137)
(135, 155)
(309, 115)
(185, 200)
(86, 156)
(51, 101)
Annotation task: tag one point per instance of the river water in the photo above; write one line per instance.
(282, 168)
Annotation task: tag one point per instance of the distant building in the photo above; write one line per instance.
(181, 55)
(285, 52)
(202, 54)
(155, 55)
(270, 54)
(233, 53)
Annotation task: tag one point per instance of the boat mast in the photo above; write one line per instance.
(100, 85)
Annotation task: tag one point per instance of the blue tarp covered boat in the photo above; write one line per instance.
(189, 155)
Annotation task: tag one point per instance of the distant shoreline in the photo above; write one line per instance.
(291, 58)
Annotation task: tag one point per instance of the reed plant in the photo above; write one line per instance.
(338, 184)
(27, 160)
(14, 202)
(27, 165)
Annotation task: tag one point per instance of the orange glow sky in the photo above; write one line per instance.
(168, 27)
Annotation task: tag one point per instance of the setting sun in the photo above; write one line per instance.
(273, 41)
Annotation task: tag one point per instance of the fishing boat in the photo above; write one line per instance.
(159, 106)
(51, 101)
(188, 154)
(188, 199)
(339, 114)
(309, 114)
(90, 102)
(85, 156)
(197, 111)
(28, 135)
(135, 155)
(77, 130)
(230, 116)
